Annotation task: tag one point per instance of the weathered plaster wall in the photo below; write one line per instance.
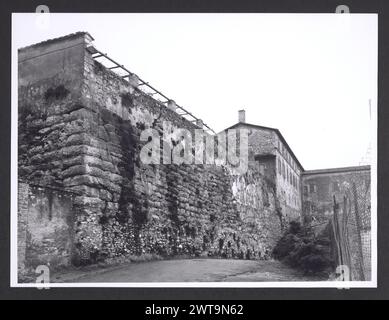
(288, 183)
(45, 227)
(85, 139)
(52, 64)
(266, 148)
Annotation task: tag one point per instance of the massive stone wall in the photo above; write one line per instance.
(85, 139)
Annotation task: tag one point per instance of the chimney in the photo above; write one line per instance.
(242, 116)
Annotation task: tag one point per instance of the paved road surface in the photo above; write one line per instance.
(189, 270)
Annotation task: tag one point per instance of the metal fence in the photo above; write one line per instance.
(144, 86)
(351, 229)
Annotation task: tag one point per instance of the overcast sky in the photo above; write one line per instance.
(310, 76)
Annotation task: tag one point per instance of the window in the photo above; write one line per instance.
(335, 186)
(312, 188)
(305, 190)
(279, 167)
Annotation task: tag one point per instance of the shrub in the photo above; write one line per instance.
(300, 248)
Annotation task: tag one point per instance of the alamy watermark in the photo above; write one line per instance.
(179, 146)
(43, 272)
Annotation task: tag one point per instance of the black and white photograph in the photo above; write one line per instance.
(194, 149)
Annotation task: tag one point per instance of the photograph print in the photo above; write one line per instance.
(181, 150)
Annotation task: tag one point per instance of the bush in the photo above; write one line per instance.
(300, 248)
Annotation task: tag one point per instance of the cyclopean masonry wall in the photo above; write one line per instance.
(79, 132)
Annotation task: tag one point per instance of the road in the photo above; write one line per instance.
(189, 270)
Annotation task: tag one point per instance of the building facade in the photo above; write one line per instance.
(322, 187)
(277, 162)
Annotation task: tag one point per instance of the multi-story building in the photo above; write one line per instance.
(277, 162)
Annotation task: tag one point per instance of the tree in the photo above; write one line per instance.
(300, 248)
